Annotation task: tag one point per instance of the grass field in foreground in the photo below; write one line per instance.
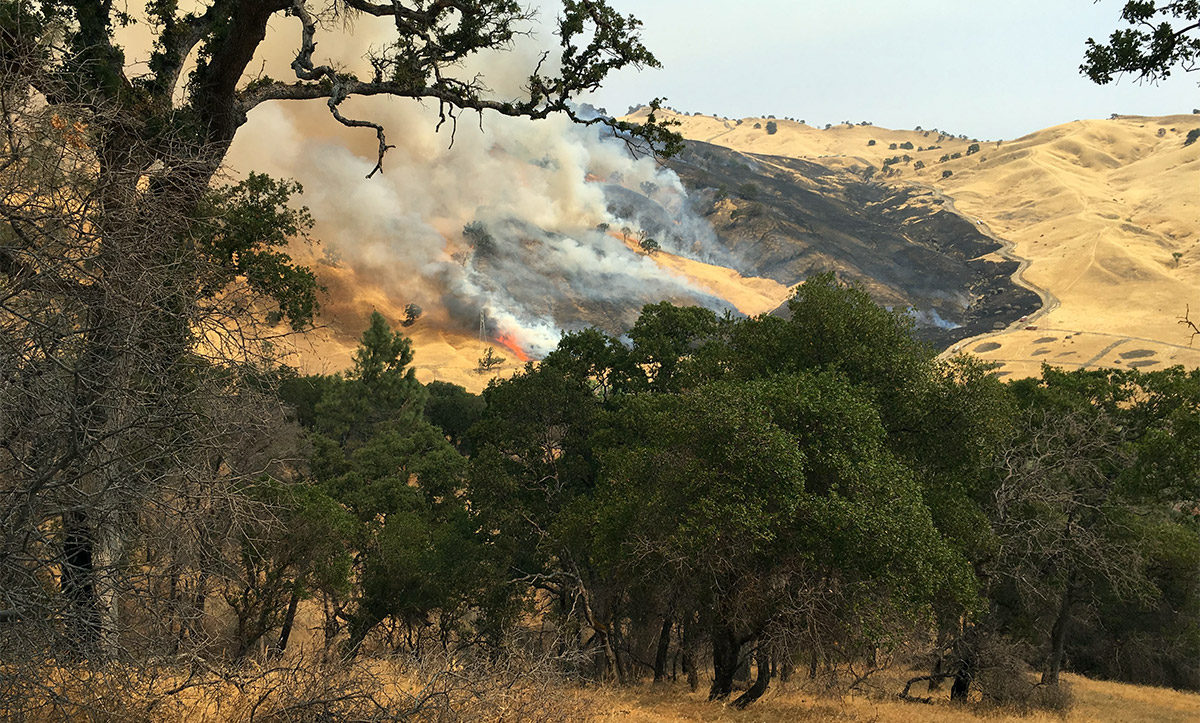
(1094, 702)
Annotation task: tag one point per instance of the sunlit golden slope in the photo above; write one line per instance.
(445, 354)
(1098, 208)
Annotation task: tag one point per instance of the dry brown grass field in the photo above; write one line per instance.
(290, 696)
(1094, 702)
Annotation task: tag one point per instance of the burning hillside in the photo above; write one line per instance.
(516, 232)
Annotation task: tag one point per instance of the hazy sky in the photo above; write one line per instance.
(995, 69)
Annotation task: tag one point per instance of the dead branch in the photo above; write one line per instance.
(1187, 321)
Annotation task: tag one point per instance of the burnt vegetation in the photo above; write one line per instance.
(791, 218)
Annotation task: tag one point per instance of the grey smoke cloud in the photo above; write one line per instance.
(540, 189)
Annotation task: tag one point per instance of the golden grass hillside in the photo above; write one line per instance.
(1105, 212)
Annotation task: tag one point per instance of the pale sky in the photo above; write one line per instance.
(991, 70)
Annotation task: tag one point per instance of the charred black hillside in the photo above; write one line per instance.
(785, 219)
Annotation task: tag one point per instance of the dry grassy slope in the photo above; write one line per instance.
(1094, 702)
(443, 352)
(1097, 207)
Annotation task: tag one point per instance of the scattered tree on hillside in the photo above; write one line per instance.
(1192, 136)
(771, 127)
(649, 245)
(477, 235)
(973, 148)
(947, 174)
(871, 142)
(490, 360)
(412, 312)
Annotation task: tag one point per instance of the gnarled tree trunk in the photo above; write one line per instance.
(761, 681)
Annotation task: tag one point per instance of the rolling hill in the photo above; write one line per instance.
(1101, 216)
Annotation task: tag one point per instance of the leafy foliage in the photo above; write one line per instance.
(242, 231)
(1161, 37)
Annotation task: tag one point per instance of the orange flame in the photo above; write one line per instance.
(508, 342)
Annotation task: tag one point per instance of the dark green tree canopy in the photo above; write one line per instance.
(1161, 37)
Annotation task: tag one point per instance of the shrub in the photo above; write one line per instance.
(1192, 137)
(871, 142)
(947, 174)
(918, 165)
(754, 209)
(771, 127)
(892, 147)
(412, 312)
(758, 125)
